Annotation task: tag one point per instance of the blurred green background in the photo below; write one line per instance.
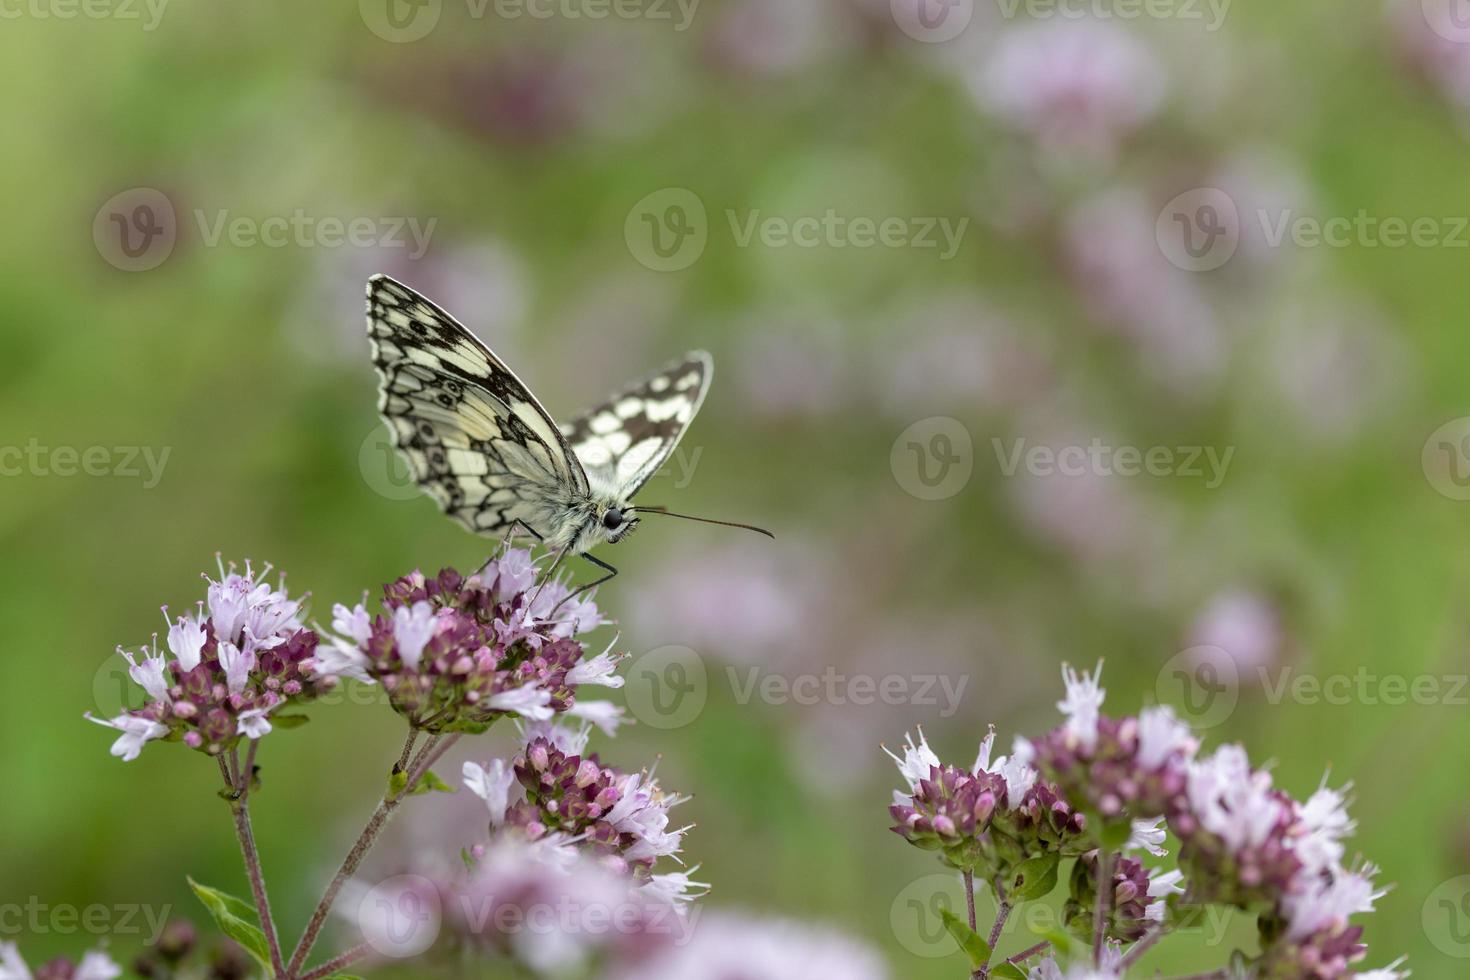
(1334, 545)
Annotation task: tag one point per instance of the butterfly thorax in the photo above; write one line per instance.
(581, 522)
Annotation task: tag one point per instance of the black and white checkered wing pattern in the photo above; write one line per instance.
(623, 442)
(475, 438)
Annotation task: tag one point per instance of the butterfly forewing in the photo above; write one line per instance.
(475, 437)
(624, 441)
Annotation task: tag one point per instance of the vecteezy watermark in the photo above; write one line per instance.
(667, 231)
(833, 229)
(1446, 458)
(1450, 19)
(35, 917)
(1097, 458)
(932, 21)
(1201, 229)
(400, 917)
(386, 472)
(1204, 684)
(669, 687)
(304, 230)
(400, 21)
(127, 462)
(147, 12)
(137, 230)
(1445, 917)
(917, 914)
(839, 688)
(571, 915)
(1211, 12)
(917, 918)
(933, 459)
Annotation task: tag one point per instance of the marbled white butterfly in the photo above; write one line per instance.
(480, 444)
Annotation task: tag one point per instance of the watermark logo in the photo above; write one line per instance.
(1446, 459)
(1211, 12)
(113, 689)
(400, 21)
(932, 21)
(35, 917)
(1199, 230)
(840, 689)
(304, 230)
(384, 468)
(1446, 917)
(933, 459)
(1450, 19)
(35, 459)
(148, 12)
(135, 230)
(400, 916)
(667, 230)
(1098, 458)
(1203, 685)
(917, 914)
(667, 687)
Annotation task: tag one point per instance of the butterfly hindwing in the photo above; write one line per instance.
(624, 441)
(475, 437)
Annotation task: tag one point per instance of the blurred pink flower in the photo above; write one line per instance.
(957, 352)
(1434, 45)
(1076, 87)
(741, 602)
(730, 946)
(1112, 255)
(1241, 625)
(776, 37)
(1336, 366)
(787, 365)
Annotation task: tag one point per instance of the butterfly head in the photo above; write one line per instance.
(616, 521)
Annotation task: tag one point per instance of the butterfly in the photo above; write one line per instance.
(480, 443)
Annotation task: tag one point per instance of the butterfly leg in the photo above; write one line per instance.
(505, 541)
(611, 573)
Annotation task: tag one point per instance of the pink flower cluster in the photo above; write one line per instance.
(456, 653)
(1097, 789)
(243, 655)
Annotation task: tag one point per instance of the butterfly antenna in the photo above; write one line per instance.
(703, 520)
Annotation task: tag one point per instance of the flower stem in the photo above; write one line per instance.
(1104, 903)
(970, 896)
(338, 962)
(1001, 914)
(240, 808)
(426, 757)
(1029, 952)
(1144, 944)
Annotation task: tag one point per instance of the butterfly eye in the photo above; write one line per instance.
(613, 519)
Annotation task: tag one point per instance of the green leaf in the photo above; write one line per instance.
(1035, 878)
(1008, 970)
(430, 783)
(1115, 835)
(289, 721)
(236, 918)
(977, 949)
